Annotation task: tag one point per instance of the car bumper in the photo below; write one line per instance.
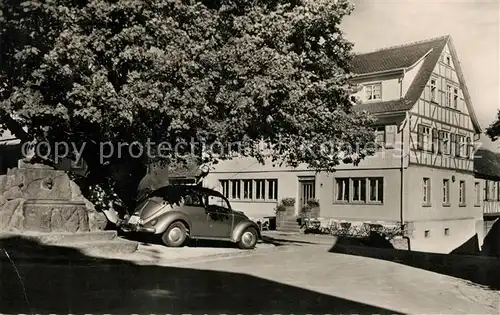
(136, 228)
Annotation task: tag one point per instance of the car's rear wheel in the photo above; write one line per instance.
(175, 235)
(248, 238)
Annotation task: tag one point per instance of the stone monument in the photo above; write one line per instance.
(38, 198)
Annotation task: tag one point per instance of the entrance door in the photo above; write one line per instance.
(307, 191)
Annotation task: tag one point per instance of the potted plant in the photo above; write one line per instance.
(289, 204)
(280, 214)
(313, 207)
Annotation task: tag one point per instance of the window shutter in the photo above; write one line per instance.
(390, 136)
(440, 142)
(420, 137)
(434, 140)
(452, 143)
(469, 147)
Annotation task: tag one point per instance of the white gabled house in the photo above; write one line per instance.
(419, 95)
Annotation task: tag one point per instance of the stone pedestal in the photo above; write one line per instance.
(41, 199)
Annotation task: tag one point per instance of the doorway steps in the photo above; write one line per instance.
(289, 224)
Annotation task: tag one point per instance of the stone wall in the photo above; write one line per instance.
(40, 199)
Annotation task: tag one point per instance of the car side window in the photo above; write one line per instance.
(218, 203)
(193, 199)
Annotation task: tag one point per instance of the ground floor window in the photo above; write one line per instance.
(426, 190)
(249, 189)
(477, 193)
(446, 191)
(461, 195)
(359, 190)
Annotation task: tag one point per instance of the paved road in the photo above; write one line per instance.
(301, 279)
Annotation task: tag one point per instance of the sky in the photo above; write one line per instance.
(473, 25)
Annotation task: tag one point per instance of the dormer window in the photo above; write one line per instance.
(373, 91)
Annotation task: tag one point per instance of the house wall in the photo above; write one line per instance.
(462, 221)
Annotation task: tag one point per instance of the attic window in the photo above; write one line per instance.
(448, 60)
(374, 91)
(433, 90)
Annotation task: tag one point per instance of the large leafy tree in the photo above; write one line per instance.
(493, 131)
(171, 71)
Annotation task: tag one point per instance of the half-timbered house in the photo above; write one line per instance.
(423, 174)
(487, 186)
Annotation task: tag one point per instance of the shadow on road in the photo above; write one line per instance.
(79, 284)
(478, 269)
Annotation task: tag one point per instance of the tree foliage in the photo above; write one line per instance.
(174, 70)
(493, 131)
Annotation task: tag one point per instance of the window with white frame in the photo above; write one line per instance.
(380, 135)
(426, 189)
(448, 95)
(455, 98)
(359, 189)
(461, 193)
(376, 189)
(247, 189)
(477, 193)
(446, 191)
(373, 91)
(424, 137)
(342, 187)
(250, 189)
(494, 192)
(463, 146)
(235, 189)
(356, 190)
(433, 90)
(444, 139)
(260, 189)
(272, 192)
(225, 187)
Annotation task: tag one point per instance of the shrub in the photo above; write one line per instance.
(288, 202)
(313, 203)
(280, 208)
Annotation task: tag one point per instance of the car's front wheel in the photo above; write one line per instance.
(248, 238)
(175, 235)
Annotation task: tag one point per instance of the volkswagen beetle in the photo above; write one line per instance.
(181, 212)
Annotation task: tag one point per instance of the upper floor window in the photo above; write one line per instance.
(448, 95)
(424, 137)
(380, 135)
(443, 145)
(373, 91)
(448, 60)
(455, 98)
(433, 90)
